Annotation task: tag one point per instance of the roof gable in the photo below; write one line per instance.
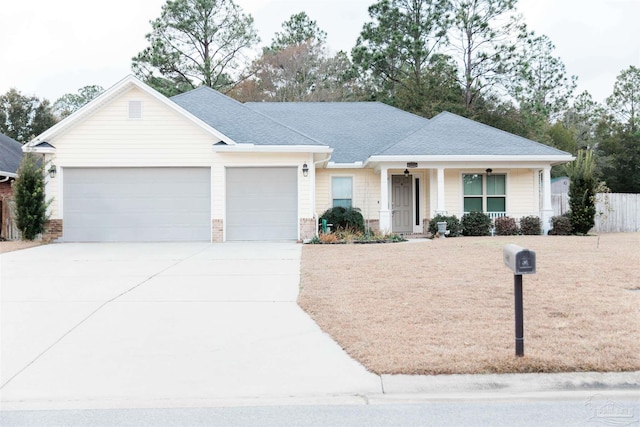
(450, 134)
(107, 96)
(241, 123)
(355, 130)
(10, 155)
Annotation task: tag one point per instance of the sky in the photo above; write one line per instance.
(50, 48)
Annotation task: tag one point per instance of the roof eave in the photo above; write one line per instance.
(551, 159)
(253, 148)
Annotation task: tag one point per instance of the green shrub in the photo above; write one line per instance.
(344, 218)
(561, 226)
(506, 226)
(476, 224)
(582, 187)
(28, 190)
(530, 226)
(453, 225)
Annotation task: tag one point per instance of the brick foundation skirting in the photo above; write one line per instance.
(307, 228)
(52, 230)
(217, 230)
(373, 224)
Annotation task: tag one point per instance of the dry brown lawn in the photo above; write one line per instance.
(446, 306)
(14, 245)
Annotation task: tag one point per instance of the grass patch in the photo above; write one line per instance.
(446, 306)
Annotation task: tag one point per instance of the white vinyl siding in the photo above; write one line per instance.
(108, 138)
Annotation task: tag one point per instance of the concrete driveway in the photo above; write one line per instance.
(162, 325)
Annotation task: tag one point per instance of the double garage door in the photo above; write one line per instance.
(174, 204)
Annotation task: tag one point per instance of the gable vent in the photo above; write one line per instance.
(135, 109)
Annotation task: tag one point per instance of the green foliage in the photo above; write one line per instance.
(193, 43)
(29, 196)
(299, 29)
(398, 57)
(530, 226)
(506, 226)
(24, 117)
(476, 224)
(72, 102)
(485, 31)
(625, 99)
(541, 87)
(344, 218)
(582, 186)
(560, 226)
(453, 225)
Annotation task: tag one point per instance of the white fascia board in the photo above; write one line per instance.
(8, 174)
(462, 159)
(252, 148)
(38, 150)
(354, 165)
(111, 93)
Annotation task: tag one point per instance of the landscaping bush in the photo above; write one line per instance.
(561, 226)
(476, 224)
(453, 225)
(344, 218)
(506, 226)
(28, 189)
(530, 226)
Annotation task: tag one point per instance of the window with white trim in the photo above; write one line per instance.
(342, 191)
(484, 193)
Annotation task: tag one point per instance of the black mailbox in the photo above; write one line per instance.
(519, 259)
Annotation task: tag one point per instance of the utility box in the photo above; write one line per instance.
(519, 259)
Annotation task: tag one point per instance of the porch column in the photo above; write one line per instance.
(440, 207)
(385, 212)
(547, 208)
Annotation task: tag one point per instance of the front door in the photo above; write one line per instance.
(402, 201)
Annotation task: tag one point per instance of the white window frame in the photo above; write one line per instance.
(484, 190)
(331, 198)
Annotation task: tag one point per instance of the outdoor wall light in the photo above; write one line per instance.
(305, 170)
(52, 171)
(406, 173)
(489, 171)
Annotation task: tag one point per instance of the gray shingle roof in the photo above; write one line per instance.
(355, 130)
(237, 121)
(450, 134)
(10, 154)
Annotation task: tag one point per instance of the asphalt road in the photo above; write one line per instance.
(597, 410)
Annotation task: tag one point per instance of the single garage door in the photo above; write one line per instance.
(136, 204)
(262, 203)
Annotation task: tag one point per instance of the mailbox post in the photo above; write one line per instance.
(520, 261)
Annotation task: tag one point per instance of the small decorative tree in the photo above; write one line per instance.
(582, 188)
(30, 203)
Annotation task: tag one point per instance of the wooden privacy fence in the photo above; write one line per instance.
(615, 212)
(8, 229)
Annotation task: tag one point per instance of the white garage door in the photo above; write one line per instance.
(136, 204)
(262, 203)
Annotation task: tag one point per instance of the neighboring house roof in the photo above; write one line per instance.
(448, 134)
(10, 156)
(241, 123)
(355, 130)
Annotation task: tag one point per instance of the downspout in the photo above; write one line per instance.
(5, 179)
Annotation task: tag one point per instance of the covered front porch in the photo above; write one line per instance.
(411, 193)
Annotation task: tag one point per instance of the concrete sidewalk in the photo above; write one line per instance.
(139, 325)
